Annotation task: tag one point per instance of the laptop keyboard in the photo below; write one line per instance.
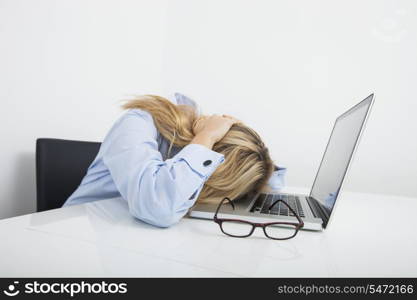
(264, 201)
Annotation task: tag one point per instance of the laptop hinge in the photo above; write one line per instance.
(318, 210)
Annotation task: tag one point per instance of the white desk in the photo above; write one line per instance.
(371, 235)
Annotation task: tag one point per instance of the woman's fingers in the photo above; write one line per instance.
(203, 120)
(232, 118)
(214, 127)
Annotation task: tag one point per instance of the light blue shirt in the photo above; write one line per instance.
(131, 164)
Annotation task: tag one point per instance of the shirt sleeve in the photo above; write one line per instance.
(277, 180)
(157, 192)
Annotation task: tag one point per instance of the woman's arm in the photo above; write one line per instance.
(158, 192)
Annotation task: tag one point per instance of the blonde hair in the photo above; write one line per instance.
(247, 166)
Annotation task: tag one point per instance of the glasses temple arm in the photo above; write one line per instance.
(295, 214)
(221, 203)
(274, 204)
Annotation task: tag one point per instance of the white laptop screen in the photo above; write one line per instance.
(338, 154)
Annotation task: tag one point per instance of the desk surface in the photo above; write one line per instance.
(370, 235)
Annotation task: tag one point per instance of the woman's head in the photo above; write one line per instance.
(247, 166)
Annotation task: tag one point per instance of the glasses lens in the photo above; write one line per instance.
(280, 231)
(236, 228)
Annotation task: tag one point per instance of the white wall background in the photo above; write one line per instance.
(287, 68)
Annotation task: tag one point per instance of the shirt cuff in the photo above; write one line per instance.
(200, 158)
(277, 180)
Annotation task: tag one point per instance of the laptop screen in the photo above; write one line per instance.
(338, 154)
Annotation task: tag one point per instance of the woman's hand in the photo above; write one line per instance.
(209, 130)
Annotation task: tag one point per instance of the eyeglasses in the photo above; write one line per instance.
(274, 230)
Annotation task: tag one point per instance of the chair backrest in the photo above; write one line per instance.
(60, 167)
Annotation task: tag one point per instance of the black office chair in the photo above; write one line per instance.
(60, 167)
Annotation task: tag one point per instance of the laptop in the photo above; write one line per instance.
(316, 208)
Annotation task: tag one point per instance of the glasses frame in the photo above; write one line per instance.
(220, 221)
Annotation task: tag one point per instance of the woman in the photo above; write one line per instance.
(162, 158)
